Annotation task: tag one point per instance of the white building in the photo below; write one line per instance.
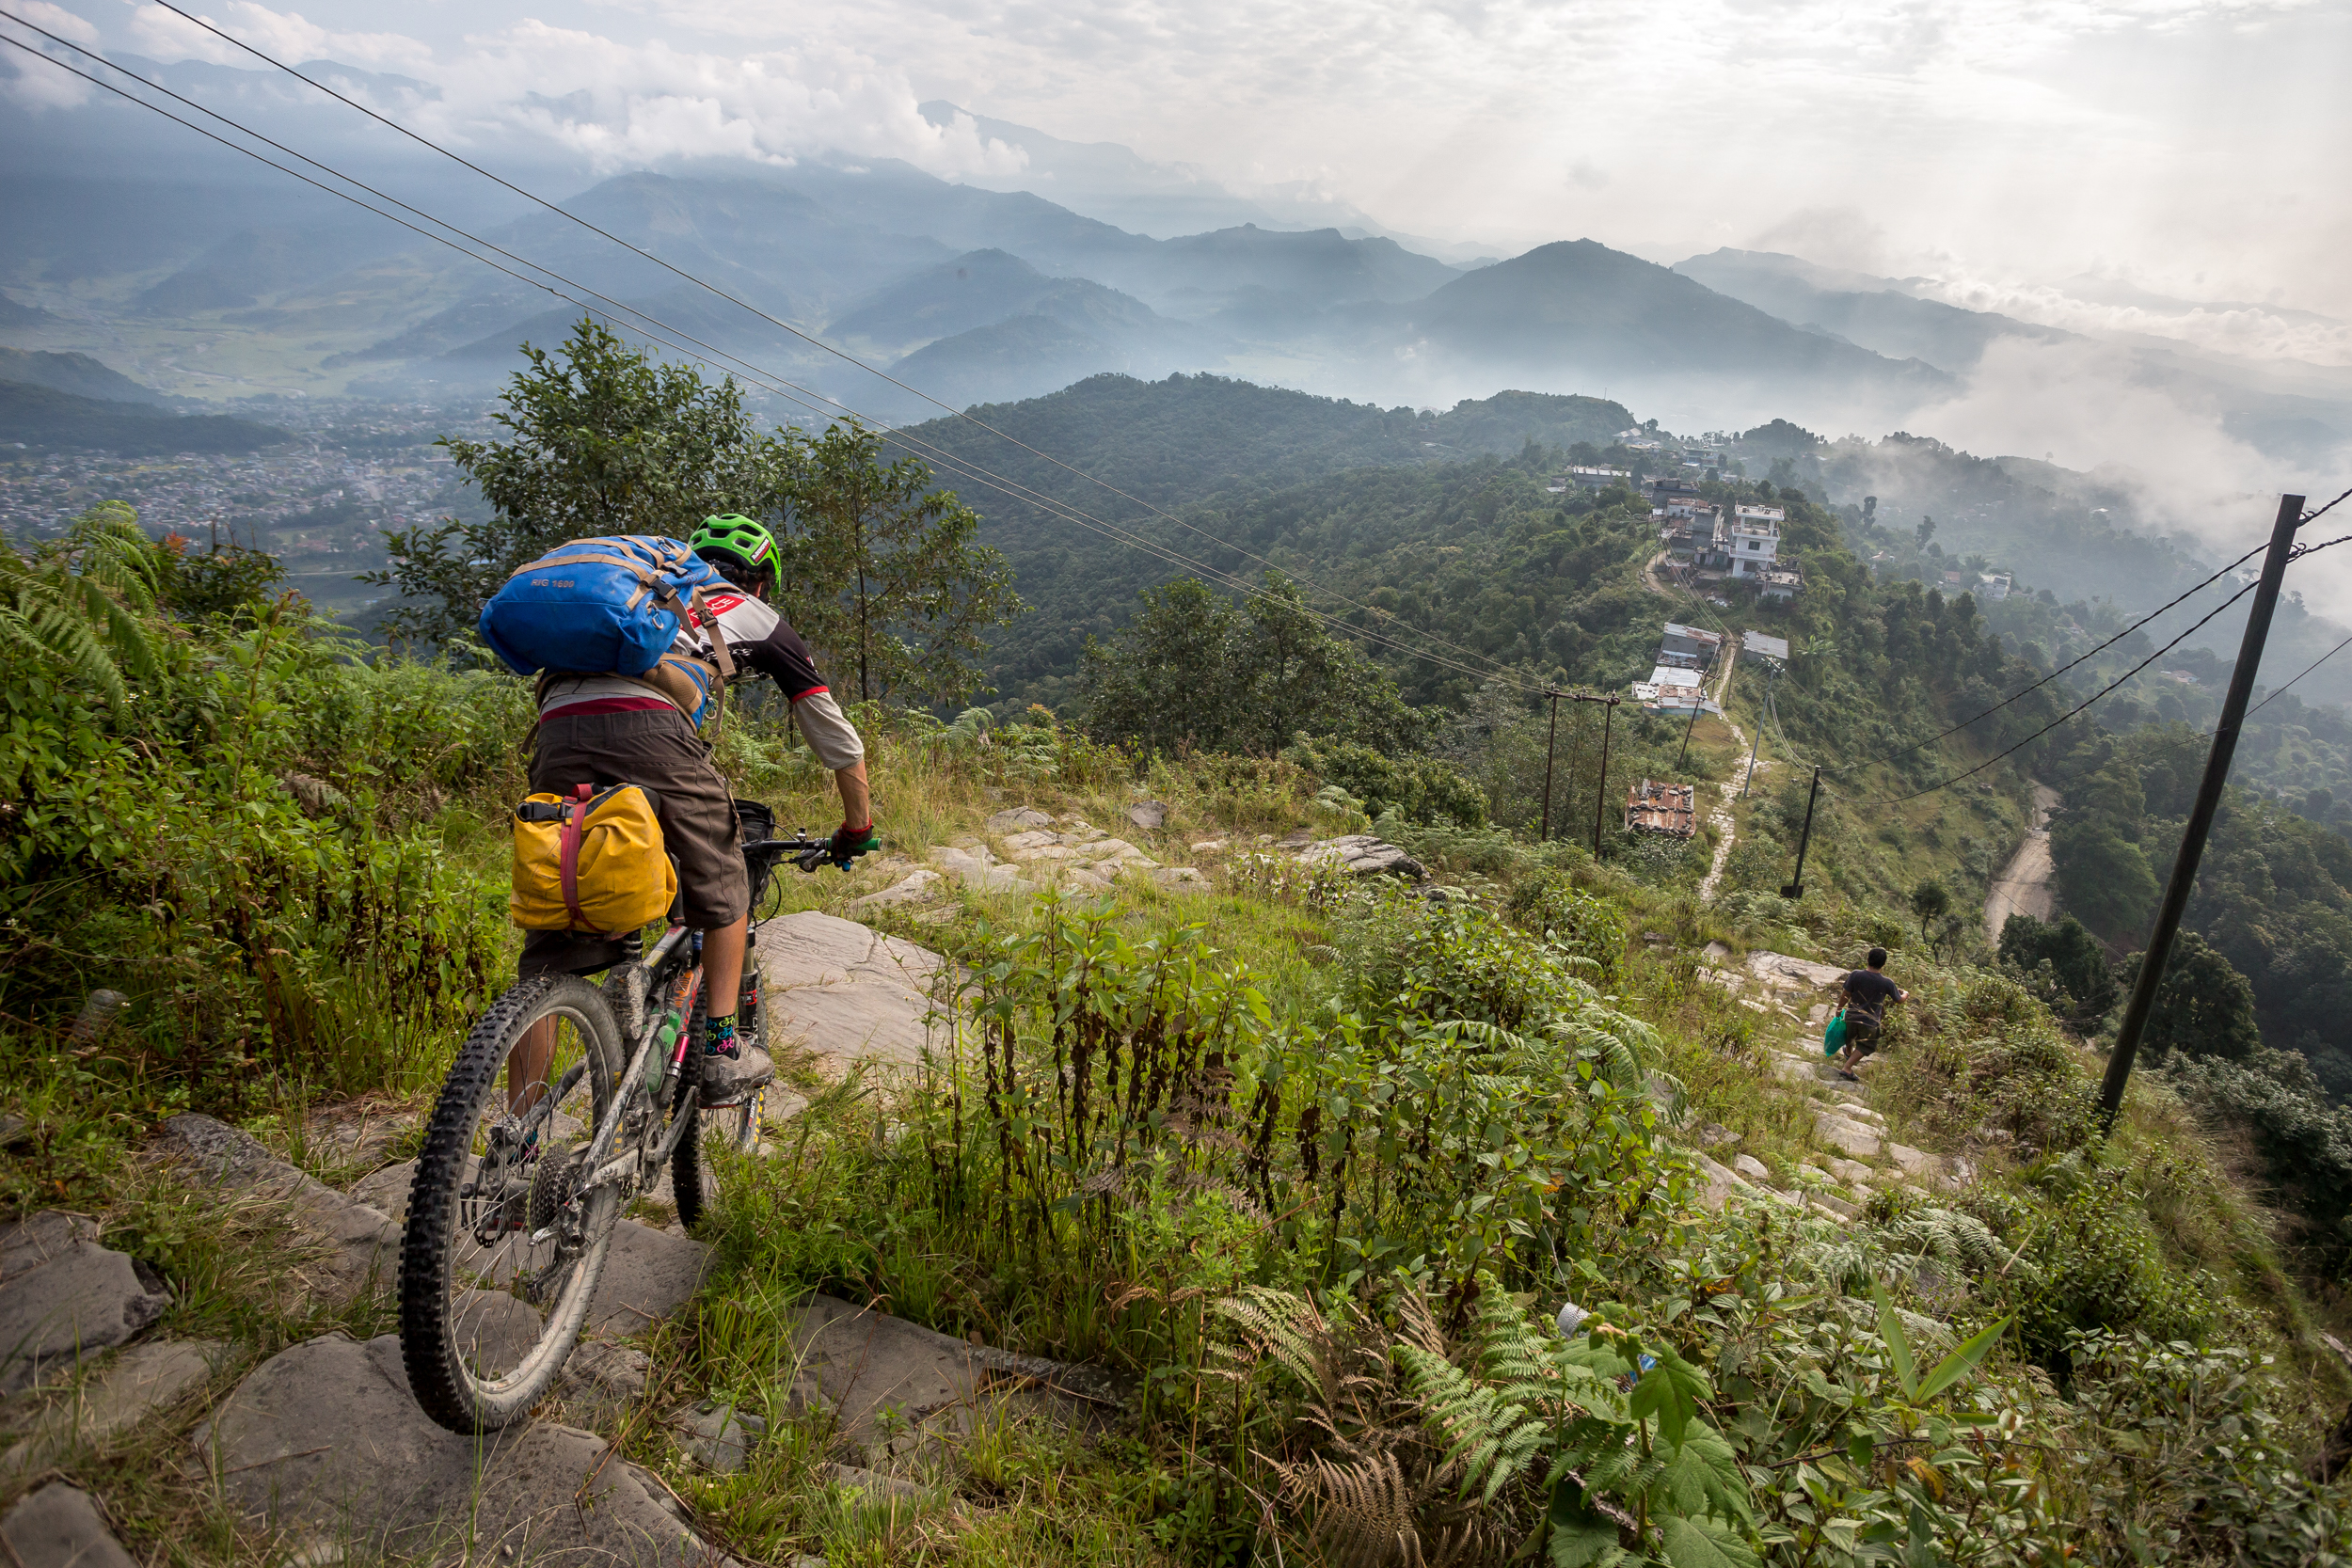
(1753, 540)
(1592, 479)
(1995, 586)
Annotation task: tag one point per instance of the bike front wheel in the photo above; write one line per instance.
(500, 1255)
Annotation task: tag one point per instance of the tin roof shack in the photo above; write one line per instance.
(1590, 479)
(1690, 647)
(1668, 810)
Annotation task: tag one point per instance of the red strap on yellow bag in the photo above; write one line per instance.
(567, 857)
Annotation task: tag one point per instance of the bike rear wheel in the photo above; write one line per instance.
(694, 1175)
(499, 1261)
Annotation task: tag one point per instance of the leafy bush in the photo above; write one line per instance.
(231, 841)
(1416, 788)
(1551, 903)
(2304, 1142)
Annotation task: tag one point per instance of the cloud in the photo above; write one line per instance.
(286, 34)
(2247, 330)
(2084, 405)
(29, 83)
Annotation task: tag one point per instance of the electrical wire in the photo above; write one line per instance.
(1947, 784)
(957, 465)
(808, 338)
(2307, 670)
(2054, 674)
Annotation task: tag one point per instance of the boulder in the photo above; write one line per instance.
(974, 867)
(1720, 1183)
(326, 1438)
(1151, 816)
(721, 1438)
(64, 1297)
(601, 1380)
(1017, 818)
(1850, 1137)
(1851, 1172)
(1361, 855)
(122, 1393)
(860, 1363)
(1788, 973)
(847, 992)
(1752, 1168)
(361, 1244)
(915, 889)
(1179, 877)
(59, 1527)
(648, 1274)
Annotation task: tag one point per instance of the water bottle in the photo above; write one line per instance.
(664, 1043)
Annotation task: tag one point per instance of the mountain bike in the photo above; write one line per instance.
(512, 1213)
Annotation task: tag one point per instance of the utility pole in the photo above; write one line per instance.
(1772, 669)
(1601, 791)
(2201, 816)
(1543, 835)
(1796, 888)
(1698, 703)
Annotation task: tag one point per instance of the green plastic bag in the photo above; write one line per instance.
(1833, 1037)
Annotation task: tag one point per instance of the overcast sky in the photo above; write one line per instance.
(2193, 147)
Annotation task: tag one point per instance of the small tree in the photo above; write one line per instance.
(1191, 670)
(2205, 1007)
(885, 571)
(602, 441)
(1164, 681)
(1931, 902)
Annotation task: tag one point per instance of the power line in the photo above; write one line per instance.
(813, 401)
(1898, 800)
(2088, 655)
(784, 326)
(2307, 670)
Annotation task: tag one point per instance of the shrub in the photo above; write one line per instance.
(1418, 788)
(1550, 903)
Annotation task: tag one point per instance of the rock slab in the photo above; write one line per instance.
(361, 1242)
(63, 1297)
(845, 991)
(137, 1383)
(1362, 855)
(59, 1527)
(326, 1438)
(648, 1274)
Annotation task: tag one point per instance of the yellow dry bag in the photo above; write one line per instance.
(594, 862)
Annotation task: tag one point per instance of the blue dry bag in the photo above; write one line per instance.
(609, 606)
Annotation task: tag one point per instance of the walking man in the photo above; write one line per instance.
(1867, 992)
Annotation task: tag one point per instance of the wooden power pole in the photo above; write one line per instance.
(2176, 892)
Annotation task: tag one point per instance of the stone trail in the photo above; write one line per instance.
(324, 1445)
(1856, 1158)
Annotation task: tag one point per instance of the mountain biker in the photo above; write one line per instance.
(614, 729)
(1867, 991)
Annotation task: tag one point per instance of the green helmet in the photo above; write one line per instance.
(742, 542)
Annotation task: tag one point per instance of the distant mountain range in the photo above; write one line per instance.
(42, 417)
(972, 295)
(77, 374)
(1108, 262)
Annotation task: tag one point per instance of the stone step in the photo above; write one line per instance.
(64, 1297)
(359, 1243)
(59, 1527)
(325, 1441)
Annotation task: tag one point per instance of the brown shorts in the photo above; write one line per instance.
(658, 749)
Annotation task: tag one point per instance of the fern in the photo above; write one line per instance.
(80, 607)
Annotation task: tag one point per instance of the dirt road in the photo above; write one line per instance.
(2025, 884)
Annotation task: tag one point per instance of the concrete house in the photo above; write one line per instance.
(1753, 540)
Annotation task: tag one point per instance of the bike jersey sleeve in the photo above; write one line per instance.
(759, 640)
(762, 640)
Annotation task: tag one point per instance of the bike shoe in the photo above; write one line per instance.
(731, 1077)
